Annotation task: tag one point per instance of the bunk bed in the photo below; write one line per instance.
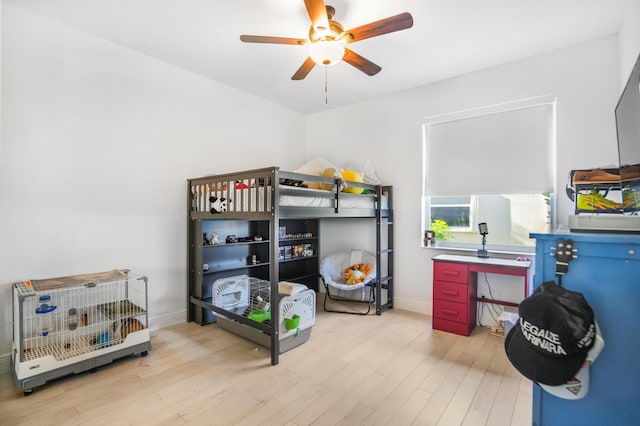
(265, 198)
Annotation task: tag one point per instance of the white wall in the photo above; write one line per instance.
(388, 130)
(629, 35)
(97, 144)
(1, 8)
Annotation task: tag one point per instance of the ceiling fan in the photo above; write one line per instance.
(327, 39)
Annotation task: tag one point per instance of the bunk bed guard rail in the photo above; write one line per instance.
(270, 190)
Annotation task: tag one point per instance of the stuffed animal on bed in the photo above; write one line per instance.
(218, 205)
(353, 176)
(356, 273)
(329, 172)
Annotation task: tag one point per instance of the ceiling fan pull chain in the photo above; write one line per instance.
(325, 86)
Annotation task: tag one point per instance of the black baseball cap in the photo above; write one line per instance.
(556, 329)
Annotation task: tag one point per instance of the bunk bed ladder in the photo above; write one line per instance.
(275, 268)
(384, 247)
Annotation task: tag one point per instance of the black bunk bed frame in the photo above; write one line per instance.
(255, 195)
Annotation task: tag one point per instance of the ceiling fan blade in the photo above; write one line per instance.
(272, 40)
(318, 13)
(304, 69)
(361, 63)
(383, 26)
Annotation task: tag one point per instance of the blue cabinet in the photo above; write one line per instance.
(607, 272)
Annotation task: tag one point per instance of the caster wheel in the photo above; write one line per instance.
(145, 353)
(27, 392)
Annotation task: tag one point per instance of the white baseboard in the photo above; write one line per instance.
(167, 320)
(154, 324)
(412, 306)
(5, 363)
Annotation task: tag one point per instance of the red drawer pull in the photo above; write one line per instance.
(451, 273)
(449, 292)
(450, 312)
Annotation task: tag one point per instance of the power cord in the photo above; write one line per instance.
(493, 310)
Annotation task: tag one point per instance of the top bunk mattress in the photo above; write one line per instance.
(294, 195)
(318, 198)
(252, 200)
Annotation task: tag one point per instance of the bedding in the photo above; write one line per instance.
(318, 198)
(253, 199)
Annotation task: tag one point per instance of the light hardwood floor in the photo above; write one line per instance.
(354, 370)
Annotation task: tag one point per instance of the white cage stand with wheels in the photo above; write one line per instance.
(73, 324)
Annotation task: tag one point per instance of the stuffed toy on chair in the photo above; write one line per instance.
(356, 273)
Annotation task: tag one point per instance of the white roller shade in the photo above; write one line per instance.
(504, 149)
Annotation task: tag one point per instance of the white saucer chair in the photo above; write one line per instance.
(332, 270)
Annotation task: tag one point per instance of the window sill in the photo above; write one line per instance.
(523, 251)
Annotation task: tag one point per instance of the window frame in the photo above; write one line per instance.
(506, 107)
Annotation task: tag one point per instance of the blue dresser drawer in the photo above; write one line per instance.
(607, 272)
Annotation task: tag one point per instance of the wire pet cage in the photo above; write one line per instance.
(73, 324)
(232, 293)
(249, 297)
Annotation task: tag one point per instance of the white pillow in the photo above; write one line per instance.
(316, 167)
(366, 169)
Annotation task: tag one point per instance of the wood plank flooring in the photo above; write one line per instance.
(354, 370)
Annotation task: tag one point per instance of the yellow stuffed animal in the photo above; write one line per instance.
(353, 177)
(330, 173)
(356, 273)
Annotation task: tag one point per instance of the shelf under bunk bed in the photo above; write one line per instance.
(270, 194)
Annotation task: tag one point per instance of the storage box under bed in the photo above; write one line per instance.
(249, 297)
(256, 336)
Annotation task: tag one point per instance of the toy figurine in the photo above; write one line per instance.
(214, 239)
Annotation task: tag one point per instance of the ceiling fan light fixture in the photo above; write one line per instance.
(326, 52)
(319, 31)
(327, 39)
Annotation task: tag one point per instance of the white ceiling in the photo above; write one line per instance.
(448, 38)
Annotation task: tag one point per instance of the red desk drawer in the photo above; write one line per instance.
(452, 326)
(452, 311)
(455, 272)
(453, 292)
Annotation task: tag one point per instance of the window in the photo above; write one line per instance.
(457, 212)
(496, 165)
(511, 217)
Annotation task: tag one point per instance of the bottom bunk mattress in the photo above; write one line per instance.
(250, 298)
